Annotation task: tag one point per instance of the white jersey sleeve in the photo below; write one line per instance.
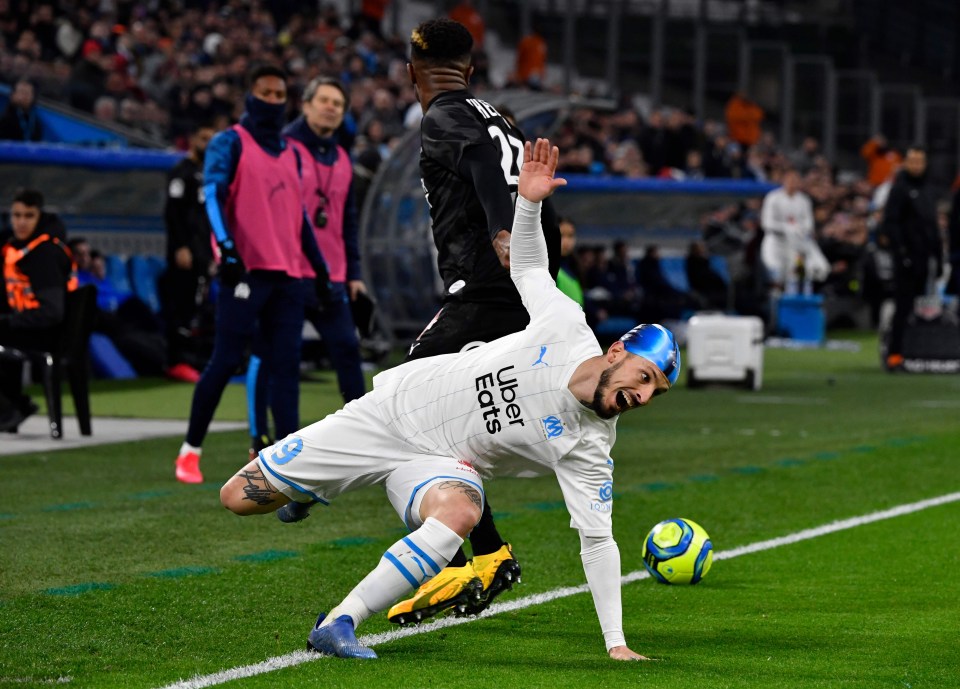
(586, 480)
(601, 564)
(529, 269)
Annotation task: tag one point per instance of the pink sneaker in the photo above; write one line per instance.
(184, 373)
(188, 468)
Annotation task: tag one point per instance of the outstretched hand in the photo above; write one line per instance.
(536, 176)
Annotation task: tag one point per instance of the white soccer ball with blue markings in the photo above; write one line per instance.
(677, 551)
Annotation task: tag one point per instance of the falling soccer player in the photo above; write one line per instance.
(543, 400)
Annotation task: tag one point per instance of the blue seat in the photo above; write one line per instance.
(145, 272)
(117, 273)
(675, 271)
(107, 361)
(719, 265)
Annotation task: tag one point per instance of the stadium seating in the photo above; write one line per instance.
(107, 361)
(675, 271)
(145, 272)
(117, 273)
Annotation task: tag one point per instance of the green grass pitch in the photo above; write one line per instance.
(115, 576)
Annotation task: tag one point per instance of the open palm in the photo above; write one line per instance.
(539, 164)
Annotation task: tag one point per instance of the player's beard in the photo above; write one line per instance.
(603, 386)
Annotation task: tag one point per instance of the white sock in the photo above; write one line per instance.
(187, 447)
(407, 563)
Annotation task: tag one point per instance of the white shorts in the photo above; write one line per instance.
(351, 449)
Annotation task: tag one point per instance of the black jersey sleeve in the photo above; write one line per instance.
(481, 166)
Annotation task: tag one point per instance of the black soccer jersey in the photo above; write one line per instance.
(454, 122)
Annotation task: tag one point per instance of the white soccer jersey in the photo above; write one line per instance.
(505, 406)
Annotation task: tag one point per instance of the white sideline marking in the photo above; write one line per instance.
(299, 657)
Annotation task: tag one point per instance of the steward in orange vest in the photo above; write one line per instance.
(38, 271)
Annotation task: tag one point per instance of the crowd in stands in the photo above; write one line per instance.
(668, 143)
(165, 68)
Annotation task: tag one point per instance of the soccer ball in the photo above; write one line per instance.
(677, 551)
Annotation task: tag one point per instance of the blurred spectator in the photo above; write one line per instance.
(88, 78)
(953, 243)
(803, 158)
(622, 277)
(706, 285)
(694, 166)
(913, 238)
(743, 119)
(717, 156)
(681, 137)
(105, 109)
(626, 160)
(660, 299)
(384, 111)
(121, 316)
(653, 143)
(365, 165)
(186, 283)
(882, 161)
(38, 272)
(568, 278)
(466, 13)
(531, 64)
(20, 121)
(370, 18)
(789, 246)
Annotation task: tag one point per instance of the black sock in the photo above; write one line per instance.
(459, 559)
(485, 539)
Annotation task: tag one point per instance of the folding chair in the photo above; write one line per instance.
(70, 354)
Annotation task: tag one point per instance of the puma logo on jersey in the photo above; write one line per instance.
(543, 350)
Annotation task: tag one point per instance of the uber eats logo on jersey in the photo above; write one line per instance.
(500, 389)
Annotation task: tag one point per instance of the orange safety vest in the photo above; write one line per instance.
(20, 294)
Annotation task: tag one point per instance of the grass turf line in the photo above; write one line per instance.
(372, 640)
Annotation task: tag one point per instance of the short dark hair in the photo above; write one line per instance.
(264, 70)
(441, 41)
(74, 242)
(311, 89)
(918, 147)
(28, 197)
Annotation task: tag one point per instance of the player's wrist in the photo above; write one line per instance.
(526, 204)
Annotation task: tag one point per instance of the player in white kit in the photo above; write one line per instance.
(542, 400)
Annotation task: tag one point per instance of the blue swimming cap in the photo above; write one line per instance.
(657, 344)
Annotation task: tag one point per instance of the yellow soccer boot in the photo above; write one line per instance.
(498, 571)
(454, 587)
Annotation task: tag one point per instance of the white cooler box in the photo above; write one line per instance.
(724, 349)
